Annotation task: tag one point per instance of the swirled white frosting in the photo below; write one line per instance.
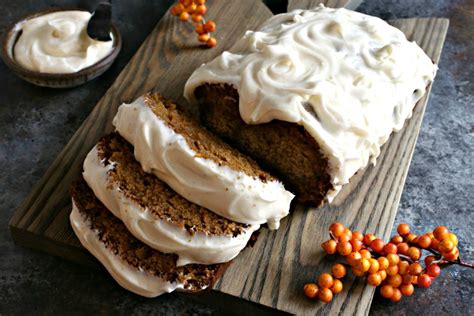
(350, 79)
(130, 278)
(225, 191)
(58, 43)
(160, 234)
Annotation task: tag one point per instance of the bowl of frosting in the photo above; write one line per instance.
(52, 49)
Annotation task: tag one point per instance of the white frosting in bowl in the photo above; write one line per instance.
(225, 191)
(348, 78)
(159, 234)
(58, 43)
(132, 279)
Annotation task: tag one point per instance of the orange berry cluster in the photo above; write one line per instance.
(394, 266)
(196, 9)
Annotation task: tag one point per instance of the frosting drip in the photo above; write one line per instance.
(134, 280)
(350, 79)
(227, 192)
(159, 234)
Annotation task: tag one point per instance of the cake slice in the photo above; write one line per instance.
(198, 165)
(312, 95)
(134, 265)
(154, 213)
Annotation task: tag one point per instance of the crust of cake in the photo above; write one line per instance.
(283, 148)
(115, 237)
(200, 140)
(154, 195)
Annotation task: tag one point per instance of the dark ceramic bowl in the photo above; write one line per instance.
(51, 80)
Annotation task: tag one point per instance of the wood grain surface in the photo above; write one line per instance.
(274, 270)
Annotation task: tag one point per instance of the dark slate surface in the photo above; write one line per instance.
(36, 123)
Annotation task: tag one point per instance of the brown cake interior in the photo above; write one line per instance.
(116, 238)
(151, 193)
(282, 147)
(201, 141)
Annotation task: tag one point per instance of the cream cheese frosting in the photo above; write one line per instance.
(157, 233)
(349, 79)
(227, 192)
(57, 42)
(132, 279)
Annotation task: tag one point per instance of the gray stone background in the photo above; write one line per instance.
(36, 123)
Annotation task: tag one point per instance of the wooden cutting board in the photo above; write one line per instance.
(274, 271)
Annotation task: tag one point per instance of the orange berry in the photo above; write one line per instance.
(453, 238)
(203, 38)
(396, 240)
(337, 287)
(177, 9)
(403, 229)
(441, 233)
(434, 244)
(338, 271)
(386, 291)
(452, 255)
(344, 248)
(356, 244)
(429, 260)
(407, 289)
(358, 272)
(184, 16)
(374, 265)
(337, 229)
(362, 265)
(377, 245)
(430, 234)
(200, 1)
(402, 248)
(414, 279)
(348, 232)
(396, 296)
(433, 270)
(383, 274)
(414, 253)
(424, 280)
(191, 8)
(374, 279)
(395, 280)
(403, 267)
(200, 30)
(365, 254)
(311, 290)
(353, 257)
(329, 246)
(411, 237)
(357, 235)
(390, 248)
(325, 295)
(415, 268)
(210, 26)
(446, 245)
(383, 262)
(392, 270)
(344, 238)
(368, 239)
(407, 279)
(393, 259)
(325, 280)
(201, 9)
(197, 18)
(424, 241)
(212, 42)
(186, 2)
